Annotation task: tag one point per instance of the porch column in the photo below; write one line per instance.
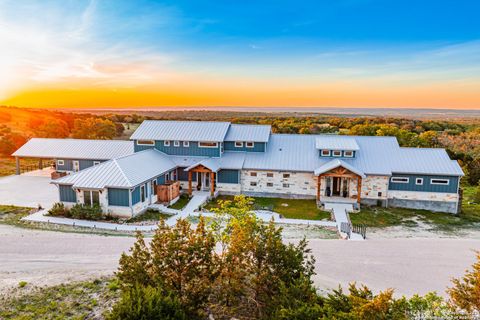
(212, 184)
(319, 184)
(190, 183)
(17, 165)
(40, 164)
(359, 189)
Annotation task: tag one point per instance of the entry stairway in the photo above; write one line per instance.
(340, 212)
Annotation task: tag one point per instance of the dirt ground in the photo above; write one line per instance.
(414, 265)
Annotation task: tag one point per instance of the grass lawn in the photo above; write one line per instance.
(82, 300)
(149, 215)
(288, 208)
(470, 210)
(181, 203)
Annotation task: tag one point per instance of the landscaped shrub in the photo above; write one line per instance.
(58, 209)
(81, 211)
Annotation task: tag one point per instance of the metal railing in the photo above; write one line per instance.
(348, 228)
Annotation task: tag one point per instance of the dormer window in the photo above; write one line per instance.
(348, 154)
(176, 143)
(249, 144)
(146, 142)
(325, 153)
(337, 153)
(166, 143)
(238, 144)
(186, 144)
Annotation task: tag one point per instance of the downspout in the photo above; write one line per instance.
(130, 200)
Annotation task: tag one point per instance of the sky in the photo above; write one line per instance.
(337, 53)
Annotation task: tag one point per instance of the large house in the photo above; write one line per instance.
(225, 158)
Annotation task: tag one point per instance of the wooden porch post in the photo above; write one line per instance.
(319, 184)
(190, 183)
(17, 165)
(359, 189)
(40, 164)
(212, 184)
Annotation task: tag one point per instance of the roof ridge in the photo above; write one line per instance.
(121, 171)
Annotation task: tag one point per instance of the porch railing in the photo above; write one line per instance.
(348, 228)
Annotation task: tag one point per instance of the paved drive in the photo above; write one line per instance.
(410, 265)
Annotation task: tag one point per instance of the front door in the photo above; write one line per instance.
(336, 186)
(76, 166)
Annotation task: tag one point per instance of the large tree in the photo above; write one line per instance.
(94, 128)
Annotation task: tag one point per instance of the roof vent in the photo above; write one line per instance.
(279, 149)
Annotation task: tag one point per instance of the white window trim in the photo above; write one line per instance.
(238, 144)
(186, 144)
(336, 155)
(96, 163)
(404, 179)
(91, 197)
(146, 142)
(417, 181)
(440, 183)
(166, 143)
(200, 144)
(348, 156)
(61, 162)
(250, 144)
(325, 153)
(176, 143)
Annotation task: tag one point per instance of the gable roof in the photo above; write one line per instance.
(336, 143)
(248, 132)
(124, 172)
(75, 149)
(428, 161)
(203, 131)
(333, 164)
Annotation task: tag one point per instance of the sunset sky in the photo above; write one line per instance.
(350, 53)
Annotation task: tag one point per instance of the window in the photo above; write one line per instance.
(286, 185)
(348, 154)
(176, 143)
(96, 163)
(249, 144)
(146, 142)
(208, 144)
(91, 197)
(253, 184)
(253, 174)
(186, 144)
(325, 153)
(238, 144)
(444, 182)
(166, 143)
(286, 175)
(419, 181)
(61, 162)
(270, 174)
(379, 194)
(269, 184)
(337, 153)
(399, 179)
(142, 193)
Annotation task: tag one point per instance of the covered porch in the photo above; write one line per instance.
(339, 182)
(206, 174)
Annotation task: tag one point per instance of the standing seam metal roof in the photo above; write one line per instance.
(248, 132)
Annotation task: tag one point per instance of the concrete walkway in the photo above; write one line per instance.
(340, 212)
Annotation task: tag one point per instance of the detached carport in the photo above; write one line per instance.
(83, 153)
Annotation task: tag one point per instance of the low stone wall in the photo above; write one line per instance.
(436, 206)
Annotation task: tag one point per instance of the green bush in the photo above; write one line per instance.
(81, 211)
(147, 303)
(58, 209)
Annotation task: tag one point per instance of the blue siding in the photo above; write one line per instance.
(331, 154)
(257, 147)
(68, 164)
(67, 194)
(192, 150)
(183, 175)
(118, 197)
(426, 186)
(136, 195)
(228, 176)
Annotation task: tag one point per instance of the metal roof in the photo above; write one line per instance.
(335, 164)
(229, 160)
(433, 161)
(181, 130)
(336, 143)
(248, 132)
(75, 149)
(124, 172)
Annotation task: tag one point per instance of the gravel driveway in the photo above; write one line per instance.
(27, 191)
(409, 265)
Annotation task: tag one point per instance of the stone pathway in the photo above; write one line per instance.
(340, 212)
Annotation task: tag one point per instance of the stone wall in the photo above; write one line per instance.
(423, 196)
(375, 187)
(297, 184)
